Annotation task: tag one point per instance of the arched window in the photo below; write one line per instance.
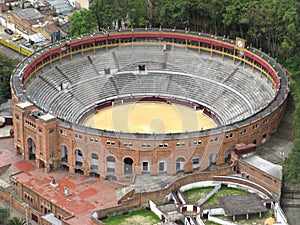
(94, 161)
(64, 153)
(196, 163)
(227, 156)
(78, 157)
(162, 166)
(111, 164)
(128, 165)
(180, 162)
(31, 148)
(213, 158)
(145, 166)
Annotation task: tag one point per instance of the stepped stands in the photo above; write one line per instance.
(228, 89)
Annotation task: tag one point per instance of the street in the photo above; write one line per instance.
(7, 51)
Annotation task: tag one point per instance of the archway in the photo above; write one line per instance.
(94, 161)
(111, 164)
(64, 153)
(31, 149)
(180, 162)
(128, 165)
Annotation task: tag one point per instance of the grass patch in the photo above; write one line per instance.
(224, 192)
(210, 223)
(196, 194)
(138, 217)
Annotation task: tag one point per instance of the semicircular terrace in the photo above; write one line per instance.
(234, 88)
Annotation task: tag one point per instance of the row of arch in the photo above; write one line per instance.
(127, 162)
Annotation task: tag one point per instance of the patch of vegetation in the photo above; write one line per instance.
(210, 223)
(222, 193)
(138, 217)
(4, 215)
(6, 67)
(196, 194)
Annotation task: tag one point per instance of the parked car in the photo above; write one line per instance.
(8, 31)
(17, 37)
(27, 44)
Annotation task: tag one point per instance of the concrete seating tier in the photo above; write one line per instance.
(231, 91)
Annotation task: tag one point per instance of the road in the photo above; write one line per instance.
(7, 51)
(11, 53)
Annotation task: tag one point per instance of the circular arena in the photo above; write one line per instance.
(222, 93)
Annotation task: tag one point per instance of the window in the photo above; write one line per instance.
(228, 136)
(180, 144)
(127, 144)
(265, 121)
(63, 132)
(29, 123)
(196, 162)
(145, 165)
(50, 131)
(216, 139)
(244, 131)
(146, 145)
(40, 130)
(112, 143)
(254, 127)
(163, 145)
(78, 136)
(17, 117)
(198, 142)
(28, 197)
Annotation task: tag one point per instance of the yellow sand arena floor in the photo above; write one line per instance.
(145, 117)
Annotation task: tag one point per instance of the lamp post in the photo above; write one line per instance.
(26, 213)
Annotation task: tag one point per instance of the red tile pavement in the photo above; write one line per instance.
(87, 193)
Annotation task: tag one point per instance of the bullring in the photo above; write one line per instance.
(57, 88)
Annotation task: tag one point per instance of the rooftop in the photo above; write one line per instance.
(265, 166)
(241, 204)
(24, 105)
(87, 193)
(29, 14)
(52, 219)
(47, 117)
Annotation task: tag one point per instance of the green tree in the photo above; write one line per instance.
(107, 11)
(138, 13)
(82, 22)
(4, 215)
(17, 221)
(291, 58)
(6, 67)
